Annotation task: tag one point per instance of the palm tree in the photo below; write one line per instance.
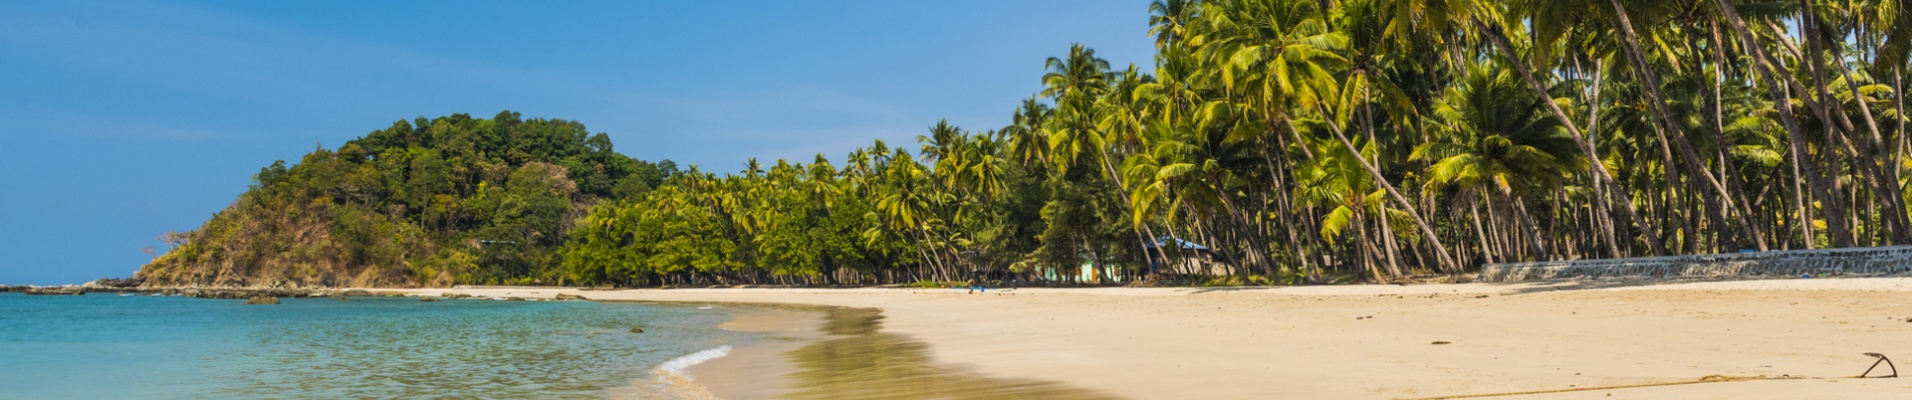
(1480, 18)
(1168, 20)
(1494, 140)
(1028, 142)
(1336, 180)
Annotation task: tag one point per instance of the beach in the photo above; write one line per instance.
(1791, 339)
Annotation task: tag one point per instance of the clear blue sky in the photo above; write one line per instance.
(123, 120)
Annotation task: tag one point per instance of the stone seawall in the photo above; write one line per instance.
(1861, 261)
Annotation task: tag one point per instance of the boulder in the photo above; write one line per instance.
(637, 330)
(562, 296)
(514, 299)
(424, 299)
(262, 300)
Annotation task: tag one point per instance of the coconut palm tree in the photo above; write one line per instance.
(1493, 139)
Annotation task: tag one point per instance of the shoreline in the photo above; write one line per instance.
(1377, 341)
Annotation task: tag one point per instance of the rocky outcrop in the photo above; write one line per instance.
(112, 284)
(56, 290)
(562, 296)
(262, 300)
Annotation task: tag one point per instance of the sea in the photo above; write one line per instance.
(108, 346)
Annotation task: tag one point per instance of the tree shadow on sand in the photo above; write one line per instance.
(864, 363)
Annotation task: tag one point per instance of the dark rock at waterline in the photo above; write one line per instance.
(562, 296)
(112, 284)
(514, 299)
(637, 330)
(423, 299)
(243, 293)
(262, 300)
(456, 296)
(56, 290)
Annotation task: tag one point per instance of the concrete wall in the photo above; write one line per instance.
(1862, 261)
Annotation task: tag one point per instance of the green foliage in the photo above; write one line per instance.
(432, 202)
(1297, 141)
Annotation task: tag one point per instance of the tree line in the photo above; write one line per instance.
(1326, 141)
(1301, 141)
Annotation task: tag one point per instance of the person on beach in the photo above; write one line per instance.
(975, 284)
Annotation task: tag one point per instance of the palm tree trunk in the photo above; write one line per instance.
(1899, 92)
(1768, 74)
(1894, 203)
(1446, 258)
(1833, 206)
(1142, 241)
(1809, 27)
(1387, 237)
(1602, 203)
(1362, 246)
(1528, 224)
(1615, 190)
(1728, 168)
(1486, 246)
(1658, 102)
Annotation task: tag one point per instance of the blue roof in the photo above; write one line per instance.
(1165, 240)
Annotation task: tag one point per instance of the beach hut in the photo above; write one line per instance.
(1173, 255)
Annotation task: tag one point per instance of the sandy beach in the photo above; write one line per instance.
(1779, 339)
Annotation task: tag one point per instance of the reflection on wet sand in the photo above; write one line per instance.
(859, 362)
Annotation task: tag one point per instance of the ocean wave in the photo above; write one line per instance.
(671, 381)
(678, 365)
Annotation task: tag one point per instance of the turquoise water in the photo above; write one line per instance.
(109, 346)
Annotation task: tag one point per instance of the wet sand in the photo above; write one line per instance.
(1561, 340)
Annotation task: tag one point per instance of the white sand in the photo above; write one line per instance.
(1310, 342)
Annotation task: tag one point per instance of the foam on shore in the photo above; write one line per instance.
(680, 364)
(672, 380)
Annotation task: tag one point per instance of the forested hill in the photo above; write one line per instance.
(432, 202)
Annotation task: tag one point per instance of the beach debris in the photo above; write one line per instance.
(637, 330)
(1875, 364)
(1440, 342)
(262, 300)
(562, 296)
